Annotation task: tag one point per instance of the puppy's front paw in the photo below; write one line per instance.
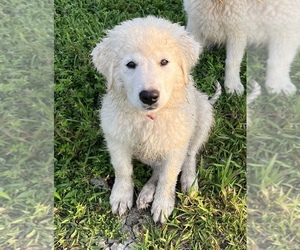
(162, 207)
(146, 196)
(121, 198)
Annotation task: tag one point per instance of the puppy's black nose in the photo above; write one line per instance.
(149, 97)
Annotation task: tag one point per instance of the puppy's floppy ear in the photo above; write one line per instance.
(190, 51)
(103, 58)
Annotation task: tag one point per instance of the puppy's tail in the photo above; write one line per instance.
(217, 94)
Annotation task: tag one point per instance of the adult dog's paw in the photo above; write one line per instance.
(121, 198)
(237, 88)
(233, 85)
(281, 87)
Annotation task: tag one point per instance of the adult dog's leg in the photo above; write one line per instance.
(121, 196)
(147, 193)
(164, 198)
(235, 47)
(282, 51)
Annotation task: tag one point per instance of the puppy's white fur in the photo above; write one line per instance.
(166, 135)
(241, 22)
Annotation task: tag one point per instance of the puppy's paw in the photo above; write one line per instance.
(234, 86)
(188, 183)
(162, 207)
(146, 196)
(281, 87)
(121, 198)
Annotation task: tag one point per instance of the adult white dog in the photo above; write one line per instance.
(238, 22)
(152, 111)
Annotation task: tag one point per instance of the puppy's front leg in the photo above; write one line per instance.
(164, 197)
(121, 196)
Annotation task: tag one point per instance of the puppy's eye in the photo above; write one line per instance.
(131, 65)
(164, 62)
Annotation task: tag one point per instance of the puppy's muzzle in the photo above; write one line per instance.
(149, 97)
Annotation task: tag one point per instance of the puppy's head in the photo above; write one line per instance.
(145, 59)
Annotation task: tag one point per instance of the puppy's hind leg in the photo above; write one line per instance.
(147, 193)
(188, 178)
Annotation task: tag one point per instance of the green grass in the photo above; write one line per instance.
(26, 130)
(273, 160)
(273, 174)
(214, 218)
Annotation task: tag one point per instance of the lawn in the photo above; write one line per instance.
(273, 176)
(26, 125)
(213, 218)
(273, 160)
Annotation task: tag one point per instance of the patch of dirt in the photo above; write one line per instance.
(132, 224)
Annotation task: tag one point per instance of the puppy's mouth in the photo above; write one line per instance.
(150, 107)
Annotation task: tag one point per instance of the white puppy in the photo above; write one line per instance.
(238, 22)
(152, 111)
